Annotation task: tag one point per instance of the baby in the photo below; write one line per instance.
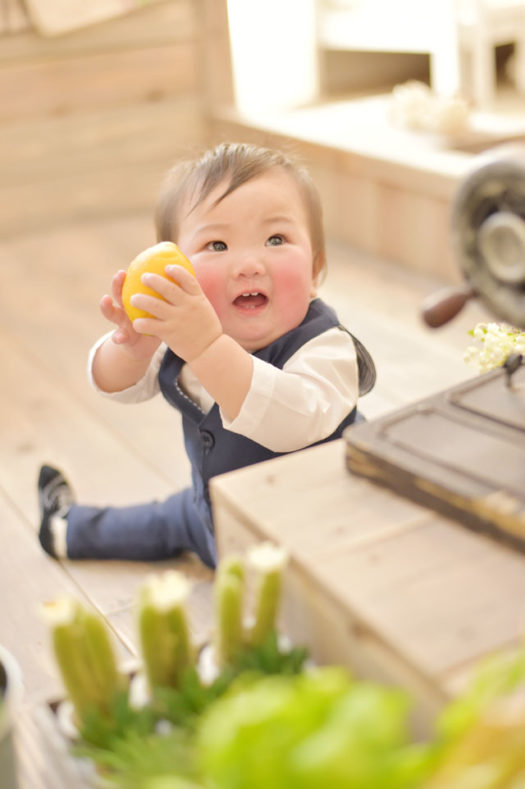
(254, 361)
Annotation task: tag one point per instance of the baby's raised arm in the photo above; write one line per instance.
(124, 357)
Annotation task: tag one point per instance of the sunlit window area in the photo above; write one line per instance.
(278, 48)
(274, 53)
(409, 87)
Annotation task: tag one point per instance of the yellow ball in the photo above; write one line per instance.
(152, 260)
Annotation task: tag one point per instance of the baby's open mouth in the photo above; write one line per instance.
(250, 301)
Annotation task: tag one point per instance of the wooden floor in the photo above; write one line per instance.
(50, 285)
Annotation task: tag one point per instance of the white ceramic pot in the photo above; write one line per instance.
(10, 694)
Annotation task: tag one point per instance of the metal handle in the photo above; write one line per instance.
(444, 305)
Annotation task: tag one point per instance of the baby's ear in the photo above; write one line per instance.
(319, 270)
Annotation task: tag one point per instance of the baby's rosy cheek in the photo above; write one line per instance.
(213, 286)
(294, 281)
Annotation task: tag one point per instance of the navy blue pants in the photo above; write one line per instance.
(141, 532)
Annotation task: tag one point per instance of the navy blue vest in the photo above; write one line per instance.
(213, 450)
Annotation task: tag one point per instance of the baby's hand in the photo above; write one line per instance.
(135, 345)
(183, 318)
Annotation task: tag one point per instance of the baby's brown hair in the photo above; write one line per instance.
(238, 163)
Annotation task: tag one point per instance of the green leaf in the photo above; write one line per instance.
(498, 675)
(137, 762)
(312, 730)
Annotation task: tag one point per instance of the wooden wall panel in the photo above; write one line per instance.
(91, 120)
(106, 79)
(415, 229)
(86, 165)
(164, 23)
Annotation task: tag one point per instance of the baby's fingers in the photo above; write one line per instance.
(183, 279)
(111, 311)
(116, 286)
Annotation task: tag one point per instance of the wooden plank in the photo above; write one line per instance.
(35, 768)
(440, 595)
(47, 423)
(113, 588)
(69, 148)
(117, 190)
(109, 162)
(336, 633)
(13, 18)
(215, 53)
(161, 23)
(358, 511)
(423, 170)
(60, 278)
(104, 79)
(413, 227)
(52, 19)
(359, 226)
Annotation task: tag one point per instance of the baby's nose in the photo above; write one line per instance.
(249, 265)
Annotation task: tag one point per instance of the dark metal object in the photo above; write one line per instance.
(488, 239)
(444, 305)
(511, 365)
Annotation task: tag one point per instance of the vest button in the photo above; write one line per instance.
(207, 439)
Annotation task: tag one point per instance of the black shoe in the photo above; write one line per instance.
(55, 497)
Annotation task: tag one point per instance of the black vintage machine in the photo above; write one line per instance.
(462, 451)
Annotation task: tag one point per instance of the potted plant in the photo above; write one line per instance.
(104, 707)
(10, 690)
(255, 714)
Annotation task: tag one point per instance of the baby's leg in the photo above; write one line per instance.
(142, 532)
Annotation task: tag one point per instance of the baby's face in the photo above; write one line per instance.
(252, 255)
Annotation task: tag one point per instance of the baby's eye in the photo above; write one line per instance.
(217, 246)
(275, 241)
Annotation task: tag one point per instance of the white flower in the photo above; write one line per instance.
(59, 612)
(267, 557)
(166, 590)
(496, 342)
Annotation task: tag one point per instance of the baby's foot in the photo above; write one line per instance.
(55, 498)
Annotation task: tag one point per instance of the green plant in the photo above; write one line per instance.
(163, 629)
(235, 629)
(481, 735)
(85, 657)
(311, 730)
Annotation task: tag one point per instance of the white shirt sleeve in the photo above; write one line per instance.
(289, 409)
(146, 388)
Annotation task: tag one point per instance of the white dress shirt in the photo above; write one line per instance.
(284, 410)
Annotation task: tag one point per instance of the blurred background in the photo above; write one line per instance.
(99, 98)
